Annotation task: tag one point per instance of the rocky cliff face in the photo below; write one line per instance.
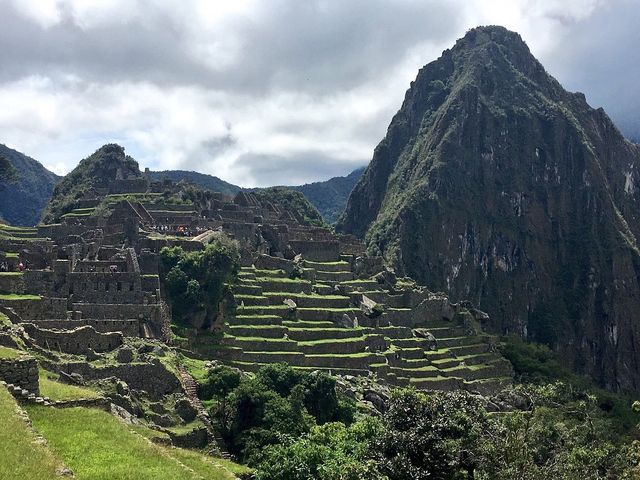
(495, 184)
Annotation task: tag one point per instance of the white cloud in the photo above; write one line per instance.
(254, 92)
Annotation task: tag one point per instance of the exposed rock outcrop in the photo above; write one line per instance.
(495, 184)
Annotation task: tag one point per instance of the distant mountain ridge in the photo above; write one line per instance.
(329, 196)
(23, 202)
(24, 195)
(203, 180)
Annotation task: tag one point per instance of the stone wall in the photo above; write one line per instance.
(105, 287)
(12, 282)
(114, 311)
(317, 251)
(103, 266)
(39, 282)
(38, 309)
(129, 328)
(153, 378)
(22, 372)
(77, 341)
(150, 283)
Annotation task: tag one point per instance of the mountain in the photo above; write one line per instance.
(330, 196)
(292, 200)
(200, 179)
(26, 188)
(93, 173)
(495, 184)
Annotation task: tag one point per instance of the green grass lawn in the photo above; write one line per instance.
(15, 296)
(195, 367)
(6, 352)
(207, 467)
(97, 446)
(50, 387)
(21, 457)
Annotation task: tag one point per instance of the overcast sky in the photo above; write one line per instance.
(272, 91)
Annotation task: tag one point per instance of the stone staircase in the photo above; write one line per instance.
(24, 395)
(316, 322)
(190, 388)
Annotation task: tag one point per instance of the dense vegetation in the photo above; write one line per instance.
(8, 172)
(293, 201)
(95, 171)
(330, 196)
(278, 403)
(196, 281)
(295, 426)
(25, 187)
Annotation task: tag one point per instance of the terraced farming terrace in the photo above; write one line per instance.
(93, 301)
(317, 321)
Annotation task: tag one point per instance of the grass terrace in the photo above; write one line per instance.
(22, 456)
(15, 296)
(97, 446)
(10, 353)
(55, 390)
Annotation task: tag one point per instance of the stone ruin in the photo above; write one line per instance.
(305, 295)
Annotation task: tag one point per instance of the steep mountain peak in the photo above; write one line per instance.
(492, 34)
(107, 162)
(496, 184)
(97, 171)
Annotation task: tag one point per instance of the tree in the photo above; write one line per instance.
(430, 436)
(196, 281)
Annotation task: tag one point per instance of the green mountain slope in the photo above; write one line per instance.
(203, 180)
(25, 187)
(330, 196)
(94, 172)
(495, 184)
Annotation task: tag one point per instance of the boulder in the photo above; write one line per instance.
(386, 278)
(71, 379)
(196, 438)
(290, 303)
(346, 321)
(432, 342)
(122, 388)
(123, 414)
(157, 407)
(371, 308)
(91, 355)
(125, 355)
(125, 402)
(158, 351)
(185, 410)
(161, 420)
(435, 307)
(377, 399)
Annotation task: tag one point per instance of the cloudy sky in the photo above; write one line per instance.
(270, 91)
